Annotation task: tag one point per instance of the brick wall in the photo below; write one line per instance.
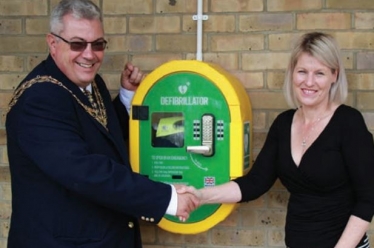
(249, 38)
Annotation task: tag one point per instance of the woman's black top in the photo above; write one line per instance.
(334, 180)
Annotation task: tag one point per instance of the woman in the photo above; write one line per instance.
(321, 150)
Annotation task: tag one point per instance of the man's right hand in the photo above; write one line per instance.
(187, 201)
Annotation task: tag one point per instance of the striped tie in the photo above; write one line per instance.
(90, 98)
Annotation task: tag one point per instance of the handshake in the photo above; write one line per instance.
(189, 199)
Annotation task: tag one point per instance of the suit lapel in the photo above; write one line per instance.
(113, 131)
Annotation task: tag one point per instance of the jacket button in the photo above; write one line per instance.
(131, 224)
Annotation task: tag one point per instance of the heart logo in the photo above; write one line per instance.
(182, 89)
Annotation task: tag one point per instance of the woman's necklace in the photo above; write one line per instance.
(309, 131)
(304, 142)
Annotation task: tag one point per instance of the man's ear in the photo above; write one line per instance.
(51, 41)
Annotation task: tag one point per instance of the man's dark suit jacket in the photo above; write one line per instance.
(72, 185)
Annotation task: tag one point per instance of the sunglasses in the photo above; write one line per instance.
(80, 46)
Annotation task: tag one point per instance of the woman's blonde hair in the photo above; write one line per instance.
(325, 49)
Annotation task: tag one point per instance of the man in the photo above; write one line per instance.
(72, 185)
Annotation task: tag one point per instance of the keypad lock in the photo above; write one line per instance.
(207, 141)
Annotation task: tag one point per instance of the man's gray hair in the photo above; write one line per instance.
(80, 9)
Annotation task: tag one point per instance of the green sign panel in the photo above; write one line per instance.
(186, 111)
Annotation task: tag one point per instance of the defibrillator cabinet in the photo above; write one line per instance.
(191, 123)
